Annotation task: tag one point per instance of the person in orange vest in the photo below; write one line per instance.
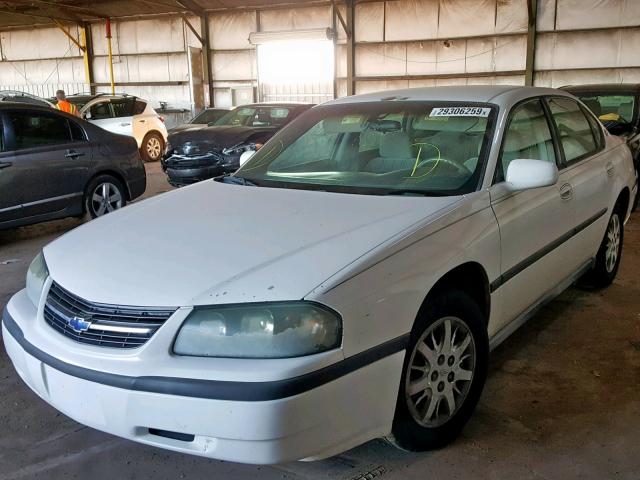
(64, 105)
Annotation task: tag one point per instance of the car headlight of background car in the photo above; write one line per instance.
(266, 330)
(36, 276)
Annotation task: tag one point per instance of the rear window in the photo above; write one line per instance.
(123, 107)
(139, 107)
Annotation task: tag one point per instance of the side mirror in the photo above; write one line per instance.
(526, 174)
(86, 115)
(244, 158)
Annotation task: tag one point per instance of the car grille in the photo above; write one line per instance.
(100, 324)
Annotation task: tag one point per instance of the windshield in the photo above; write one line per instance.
(208, 116)
(256, 116)
(611, 108)
(379, 148)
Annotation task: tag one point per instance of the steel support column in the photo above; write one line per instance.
(351, 52)
(85, 36)
(532, 8)
(206, 56)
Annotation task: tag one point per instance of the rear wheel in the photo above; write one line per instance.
(444, 373)
(104, 194)
(152, 147)
(609, 254)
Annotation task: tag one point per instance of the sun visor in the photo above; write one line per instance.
(346, 124)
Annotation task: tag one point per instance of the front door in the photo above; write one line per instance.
(532, 222)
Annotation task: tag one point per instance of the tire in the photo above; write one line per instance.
(609, 254)
(152, 147)
(94, 198)
(458, 368)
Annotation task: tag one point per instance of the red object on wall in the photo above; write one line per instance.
(108, 28)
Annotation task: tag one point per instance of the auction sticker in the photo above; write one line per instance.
(460, 112)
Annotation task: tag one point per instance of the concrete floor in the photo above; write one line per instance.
(562, 401)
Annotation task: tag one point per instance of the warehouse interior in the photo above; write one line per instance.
(562, 399)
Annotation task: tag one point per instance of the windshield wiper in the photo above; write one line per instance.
(423, 193)
(232, 180)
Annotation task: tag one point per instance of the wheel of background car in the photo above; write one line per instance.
(460, 167)
(609, 254)
(104, 194)
(444, 372)
(152, 147)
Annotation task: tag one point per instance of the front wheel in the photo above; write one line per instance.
(104, 194)
(152, 147)
(443, 375)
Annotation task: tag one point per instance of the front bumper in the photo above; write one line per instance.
(310, 416)
(183, 170)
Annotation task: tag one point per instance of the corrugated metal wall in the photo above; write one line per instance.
(399, 43)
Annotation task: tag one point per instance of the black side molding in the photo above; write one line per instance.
(214, 389)
(527, 262)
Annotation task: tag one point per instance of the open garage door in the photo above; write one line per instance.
(296, 66)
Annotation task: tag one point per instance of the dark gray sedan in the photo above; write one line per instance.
(55, 165)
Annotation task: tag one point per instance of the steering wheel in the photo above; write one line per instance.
(460, 167)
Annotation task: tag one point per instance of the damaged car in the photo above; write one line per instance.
(198, 154)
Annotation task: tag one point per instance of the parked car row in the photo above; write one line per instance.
(374, 251)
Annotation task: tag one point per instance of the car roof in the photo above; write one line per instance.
(499, 94)
(276, 104)
(5, 104)
(604, 88)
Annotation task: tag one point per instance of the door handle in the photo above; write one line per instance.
(5, 164)
(73, 154)
(566, 191)
(142, 121)
(610, 167)
(125, 124)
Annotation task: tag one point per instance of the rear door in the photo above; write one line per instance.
(588, 174)
(110, 116)
(123, 115)
(50, 159)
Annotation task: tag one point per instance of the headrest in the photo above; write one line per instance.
(593, 105)
(395, 145)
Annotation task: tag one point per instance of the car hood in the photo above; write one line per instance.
(221, 136)
(187, 127)
(218, 243)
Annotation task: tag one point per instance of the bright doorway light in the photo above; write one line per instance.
(296, 61)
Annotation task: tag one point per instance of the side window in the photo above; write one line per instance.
(123, 107)
(139, 107)
(100, 111)
(596, 128)
(576, 136)
(527, 136)
(77, 133)
(38, 129)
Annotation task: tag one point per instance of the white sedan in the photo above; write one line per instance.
(347, 283)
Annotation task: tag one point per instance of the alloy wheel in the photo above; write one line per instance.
(154, 148)
(613, 243)
(106, 197)
(440, 372)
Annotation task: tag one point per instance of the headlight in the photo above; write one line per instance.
(267, 330)
(36, 276)
(241, 148)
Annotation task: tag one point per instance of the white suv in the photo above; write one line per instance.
(126, 115)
